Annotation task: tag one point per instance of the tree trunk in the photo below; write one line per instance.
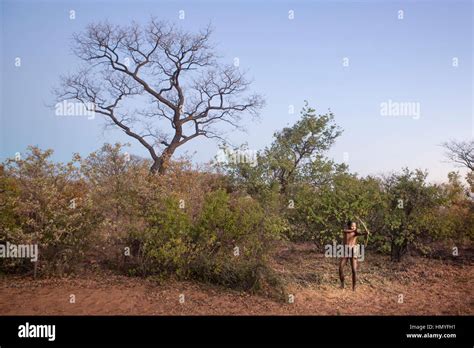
(398, 250)
(160, 165)
(395, 252)
(155, 166)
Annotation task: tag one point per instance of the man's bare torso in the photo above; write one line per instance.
(350, 237)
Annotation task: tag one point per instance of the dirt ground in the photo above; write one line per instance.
(415, 286)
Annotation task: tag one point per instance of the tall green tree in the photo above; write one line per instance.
(298, 150)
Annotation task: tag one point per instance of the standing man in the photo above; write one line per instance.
(349, 238)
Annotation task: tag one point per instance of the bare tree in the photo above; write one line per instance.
(175, 74)
(460, 152)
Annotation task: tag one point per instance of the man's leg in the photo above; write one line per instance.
(354, 271)
(342, 263)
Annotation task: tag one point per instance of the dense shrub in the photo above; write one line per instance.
(163, 246)
(49, 205)
(233, 238)
(184, 223)
(227, 243)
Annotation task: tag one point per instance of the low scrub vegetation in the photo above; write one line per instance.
(218, 223)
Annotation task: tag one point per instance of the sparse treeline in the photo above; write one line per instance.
(218, 223)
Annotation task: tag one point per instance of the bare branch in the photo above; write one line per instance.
(460, 152)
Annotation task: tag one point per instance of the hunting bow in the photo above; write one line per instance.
(366, 229)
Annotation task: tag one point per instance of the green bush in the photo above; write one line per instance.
(227, 244)
(164, 245)
(230, 238)
(320, 213)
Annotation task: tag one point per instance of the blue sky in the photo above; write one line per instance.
(402, 60)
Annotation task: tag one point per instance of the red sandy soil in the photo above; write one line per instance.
(429, 287)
